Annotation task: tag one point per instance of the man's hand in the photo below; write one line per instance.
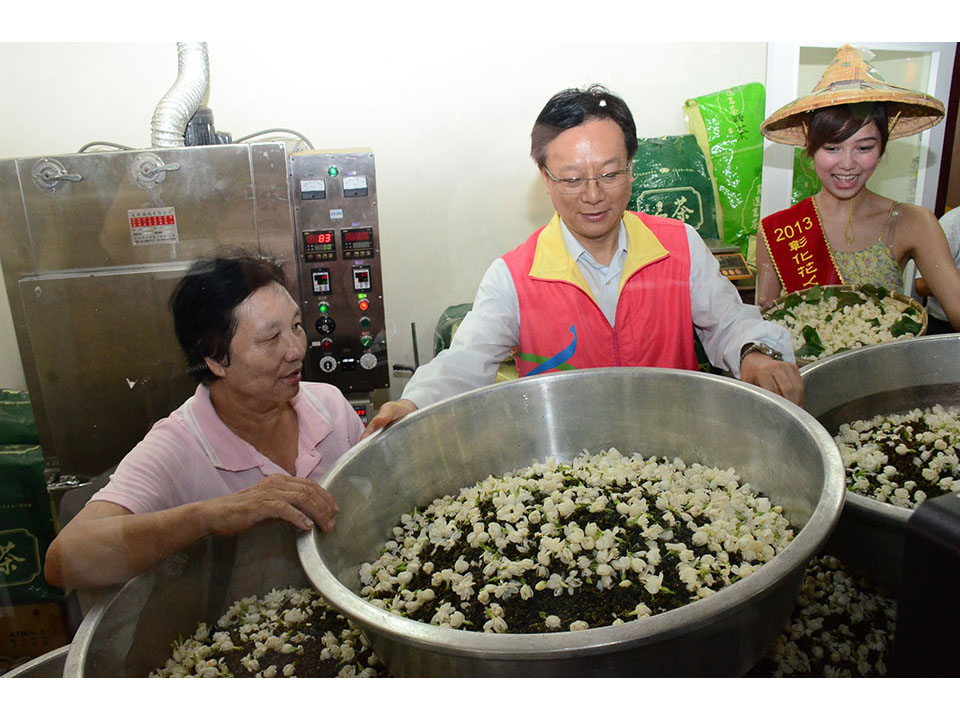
(302, 503)
(778, 376)
(389, 412)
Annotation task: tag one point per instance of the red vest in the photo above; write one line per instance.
(563, 328)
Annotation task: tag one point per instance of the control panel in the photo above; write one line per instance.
(334, 197)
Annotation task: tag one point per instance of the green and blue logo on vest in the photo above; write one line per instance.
(557, 362)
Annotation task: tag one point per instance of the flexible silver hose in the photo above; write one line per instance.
(176, 108)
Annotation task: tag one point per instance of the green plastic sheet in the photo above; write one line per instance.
(446, 328)
(447, 325)
(805, 180)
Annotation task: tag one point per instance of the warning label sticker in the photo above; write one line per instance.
(153, 225)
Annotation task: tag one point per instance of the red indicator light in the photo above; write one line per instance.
(364, 304)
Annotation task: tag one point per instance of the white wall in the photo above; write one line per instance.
(449, 125)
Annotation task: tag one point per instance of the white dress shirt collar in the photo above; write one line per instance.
(580, 254)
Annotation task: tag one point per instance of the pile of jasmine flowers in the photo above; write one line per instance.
(288, 633)
(841, 627)
(902, 459)
(824, 321)
(601, 541)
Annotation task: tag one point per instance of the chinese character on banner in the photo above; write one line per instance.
(807, 271)
(803, 257)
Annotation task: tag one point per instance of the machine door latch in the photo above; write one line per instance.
(48, 174)
(148, 169)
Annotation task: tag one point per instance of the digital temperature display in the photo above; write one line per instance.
(318, 245)
(357, 235)
(357, 243)
(318, 238)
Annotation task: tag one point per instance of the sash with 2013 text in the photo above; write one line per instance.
(799, 248)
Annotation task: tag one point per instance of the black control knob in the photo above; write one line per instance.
(326, 325)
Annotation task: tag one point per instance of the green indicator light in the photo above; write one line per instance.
(333, 171)
(324, 307)
(361, 296)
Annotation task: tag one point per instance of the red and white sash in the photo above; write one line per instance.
(799, 248)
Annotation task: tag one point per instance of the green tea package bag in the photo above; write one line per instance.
(727, 127)
(671, 180)
(26, 526)
(17, 426)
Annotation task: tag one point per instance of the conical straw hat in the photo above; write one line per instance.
(851, 79)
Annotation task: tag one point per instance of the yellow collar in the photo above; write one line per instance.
(551, 261)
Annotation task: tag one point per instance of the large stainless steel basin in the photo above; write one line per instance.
(859, 384)
(776, 447)
(48, 665)
(131, 632)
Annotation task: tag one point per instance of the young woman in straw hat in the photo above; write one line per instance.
(847, 233)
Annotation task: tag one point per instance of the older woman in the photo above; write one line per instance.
(247, 447)
(847, 233)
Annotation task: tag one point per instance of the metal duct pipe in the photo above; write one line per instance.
(176, 108)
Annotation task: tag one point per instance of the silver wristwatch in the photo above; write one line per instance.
(760, 347)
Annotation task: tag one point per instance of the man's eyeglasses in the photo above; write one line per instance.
(574, 185)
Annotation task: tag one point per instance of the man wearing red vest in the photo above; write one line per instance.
(598, 285)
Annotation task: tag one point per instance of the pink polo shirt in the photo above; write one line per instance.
(191, 455)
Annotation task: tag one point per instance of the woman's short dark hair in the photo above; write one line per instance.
(839, 122)
(204, 305)
(573, 107)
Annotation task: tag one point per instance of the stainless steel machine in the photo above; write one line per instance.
(91, 245)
